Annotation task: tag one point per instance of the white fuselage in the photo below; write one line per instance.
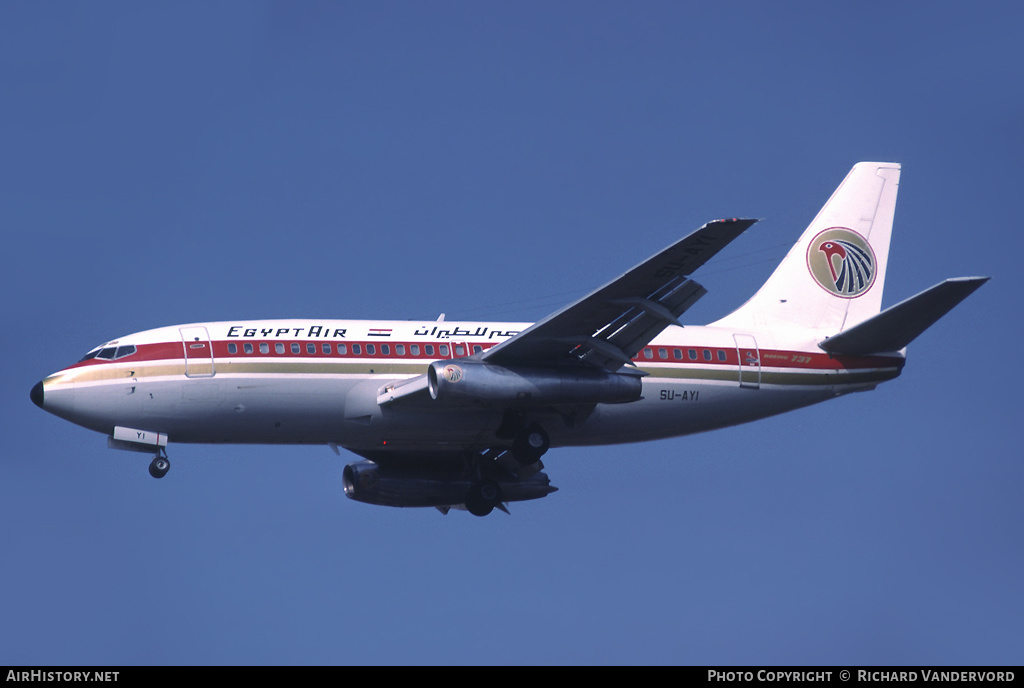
(317, 381)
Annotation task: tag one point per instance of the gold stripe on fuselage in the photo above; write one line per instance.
(223, 367)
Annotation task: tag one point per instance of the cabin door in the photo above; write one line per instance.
(198, 351)
(749, 361)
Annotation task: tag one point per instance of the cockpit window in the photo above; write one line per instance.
(109, 353)
(91, 354)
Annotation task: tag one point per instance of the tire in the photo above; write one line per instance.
(483, 497)
(159, 466)
(531, 444)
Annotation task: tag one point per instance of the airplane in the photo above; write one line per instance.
(458, 414)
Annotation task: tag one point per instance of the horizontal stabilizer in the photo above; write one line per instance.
(895, 327)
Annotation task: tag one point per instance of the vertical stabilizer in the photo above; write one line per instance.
(832, 278)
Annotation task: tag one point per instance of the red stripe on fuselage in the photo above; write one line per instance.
(769, 358)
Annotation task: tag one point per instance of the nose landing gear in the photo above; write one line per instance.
(159, 466)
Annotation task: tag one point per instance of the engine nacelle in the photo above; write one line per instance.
(370, 483)
(464, 382)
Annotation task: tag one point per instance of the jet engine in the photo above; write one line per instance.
(371, 483)
(465, 382)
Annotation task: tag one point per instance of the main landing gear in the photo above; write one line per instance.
(160, 464)
(530, 445)
(483, 496)
(529, 441)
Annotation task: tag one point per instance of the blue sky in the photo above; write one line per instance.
(162, 164)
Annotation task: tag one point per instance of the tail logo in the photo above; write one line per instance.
(842, 262)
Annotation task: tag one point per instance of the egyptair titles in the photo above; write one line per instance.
(329, 332)
(312, 332)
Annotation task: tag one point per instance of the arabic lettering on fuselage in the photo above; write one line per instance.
(462, 332)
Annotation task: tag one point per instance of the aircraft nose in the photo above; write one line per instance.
(37, 394)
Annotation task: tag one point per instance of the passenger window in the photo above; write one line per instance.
(648, 353)
(279, 347)
(356, 349)
(662, 354)
(400, 349)
(677, 354)
(721, 355)
(477, 348)
(428, 349)
(707, 355)
(385, 349)
(414, 349)
(370, 349)
(342, 349)
(296, 348)
(692, 353)
(444, 349)
(264, 348)
(460, 350)
(232, 348)
(326, 348)
(310, 348)
(248, 347)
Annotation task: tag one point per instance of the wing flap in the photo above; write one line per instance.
(609, 326)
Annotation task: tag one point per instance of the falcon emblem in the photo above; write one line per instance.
(842, 262)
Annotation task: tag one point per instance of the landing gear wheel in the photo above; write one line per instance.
(483, 497)
(530, 445)
(159, 466)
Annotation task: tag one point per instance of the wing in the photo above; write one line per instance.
(608, 327)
